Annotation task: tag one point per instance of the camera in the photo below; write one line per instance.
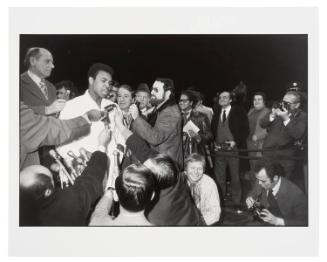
(281, 105)
(224, 146)
(256, 209)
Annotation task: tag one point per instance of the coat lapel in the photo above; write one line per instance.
(32, 86)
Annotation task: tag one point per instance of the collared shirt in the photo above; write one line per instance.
(79, 106)
(186, 114)
(40, 83)
(275, 189)
(35, 78)
(206, 197)
(227, 110)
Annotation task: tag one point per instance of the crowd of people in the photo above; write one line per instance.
(119, 156)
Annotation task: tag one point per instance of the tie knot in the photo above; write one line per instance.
(42, 82)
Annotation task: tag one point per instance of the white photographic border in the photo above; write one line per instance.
(164, 241)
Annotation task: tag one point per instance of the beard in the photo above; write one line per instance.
(156, 101)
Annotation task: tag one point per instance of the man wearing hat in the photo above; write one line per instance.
(142, 96)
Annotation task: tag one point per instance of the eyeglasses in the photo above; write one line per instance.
(183, 100)
(290, 103)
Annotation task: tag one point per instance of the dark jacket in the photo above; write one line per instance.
(164, 134)
(38, 130)
(238, 125)
(72, 206)
(31, 94)
(281, 136)
(290, 199)
(173, 206)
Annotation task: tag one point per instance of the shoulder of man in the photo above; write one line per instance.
(287, 187)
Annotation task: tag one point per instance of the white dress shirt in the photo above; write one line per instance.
(227, 110)
(35, 78)
(79, 106)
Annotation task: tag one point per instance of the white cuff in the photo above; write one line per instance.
(280, 222)
(86, 118)
(102, 149)
(286, 122)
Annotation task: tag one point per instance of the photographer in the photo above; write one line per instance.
(274, 199)
(286, 124)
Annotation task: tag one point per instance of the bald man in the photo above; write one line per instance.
(41, 204)
(35, 91)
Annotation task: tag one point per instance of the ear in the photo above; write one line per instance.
(275, 178)
(91, 80)
(167, 94)
(47, 192)
(32, 61)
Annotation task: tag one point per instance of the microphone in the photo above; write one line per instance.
(62, 166)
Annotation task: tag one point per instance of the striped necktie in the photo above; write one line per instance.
(44, 88)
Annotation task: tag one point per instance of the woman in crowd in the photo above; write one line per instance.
(194, 140)
(125, 98)
(257, 133)
(203, 188)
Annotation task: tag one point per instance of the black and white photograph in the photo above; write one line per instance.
(160, 131)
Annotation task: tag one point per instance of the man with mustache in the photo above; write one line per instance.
(163, 130)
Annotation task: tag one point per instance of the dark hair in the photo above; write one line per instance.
(191, 96)
(114, 83)
(195, 157)
(165, 171)
(31, 52)
(168, 85)
(143, 87)
(229, 93)
(67, 84)
(272, 167)
(264, 97)
(135, 188)
(128, 88)
(95, 68)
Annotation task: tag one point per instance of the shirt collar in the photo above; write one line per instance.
(227, 109)
(34, 77)
(275, 189)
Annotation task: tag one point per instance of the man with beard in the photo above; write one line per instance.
(163, 131)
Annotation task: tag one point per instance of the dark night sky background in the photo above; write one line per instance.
(211, 63)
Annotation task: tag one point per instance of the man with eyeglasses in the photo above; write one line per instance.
(286, 124)
(163, 128)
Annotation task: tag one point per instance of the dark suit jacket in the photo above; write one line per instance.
(281, 136)
(71, 206)
(238, 124)
(32, 96)
(172, 206)
(290, 199)
(37, 130)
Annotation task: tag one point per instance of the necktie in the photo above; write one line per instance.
(44, 88)
(224, 116)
